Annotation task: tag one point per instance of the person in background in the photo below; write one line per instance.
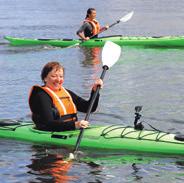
(53, 107)
(90, 27)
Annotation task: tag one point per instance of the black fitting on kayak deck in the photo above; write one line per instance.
(138, 126)
(179, 137)
(59, 136)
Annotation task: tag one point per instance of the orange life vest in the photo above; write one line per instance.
(62, 101)
(95, 26)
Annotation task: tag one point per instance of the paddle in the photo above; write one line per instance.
(110, 55)
(123, 19)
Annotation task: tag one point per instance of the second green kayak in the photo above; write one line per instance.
(115, 137)
(165, 41)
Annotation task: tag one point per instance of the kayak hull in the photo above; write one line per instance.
(113, 137)
(165, 41)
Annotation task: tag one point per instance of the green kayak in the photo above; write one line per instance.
(165, 41)
(114, 137)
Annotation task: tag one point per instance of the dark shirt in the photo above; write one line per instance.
(46, 116)
(86, 28)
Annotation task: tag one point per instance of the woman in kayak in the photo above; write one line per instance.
(53, 107)
(90, 27)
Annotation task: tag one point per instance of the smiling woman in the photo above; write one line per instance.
(53, 107)
(53, 75)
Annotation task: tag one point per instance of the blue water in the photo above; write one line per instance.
(149, 77)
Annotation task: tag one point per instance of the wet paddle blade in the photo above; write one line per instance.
(71, 156)
(127, 17)
(110, 53)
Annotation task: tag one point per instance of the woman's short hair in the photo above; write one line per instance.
(49, 67)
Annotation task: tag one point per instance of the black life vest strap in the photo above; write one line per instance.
(69, 117)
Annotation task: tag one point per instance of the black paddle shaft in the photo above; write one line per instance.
(118, 21)
(114, 23)
(105, 68)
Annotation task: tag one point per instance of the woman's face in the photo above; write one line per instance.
(54, 79)
(92, 15)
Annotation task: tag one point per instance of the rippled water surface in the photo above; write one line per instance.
(151, 77)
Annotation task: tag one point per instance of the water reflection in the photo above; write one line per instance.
(50, 167)
(48, 164)
(91, 62)
(91, 56)
(136, 170)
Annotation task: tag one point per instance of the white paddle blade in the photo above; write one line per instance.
(127, 17)
(71, 156)
(110, 53)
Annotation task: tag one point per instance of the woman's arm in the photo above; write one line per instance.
(82, 104)
(81, 32)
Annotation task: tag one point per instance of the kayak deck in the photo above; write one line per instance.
(115, 137)
(163, 41)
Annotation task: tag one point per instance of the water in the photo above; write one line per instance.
(149, 77)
